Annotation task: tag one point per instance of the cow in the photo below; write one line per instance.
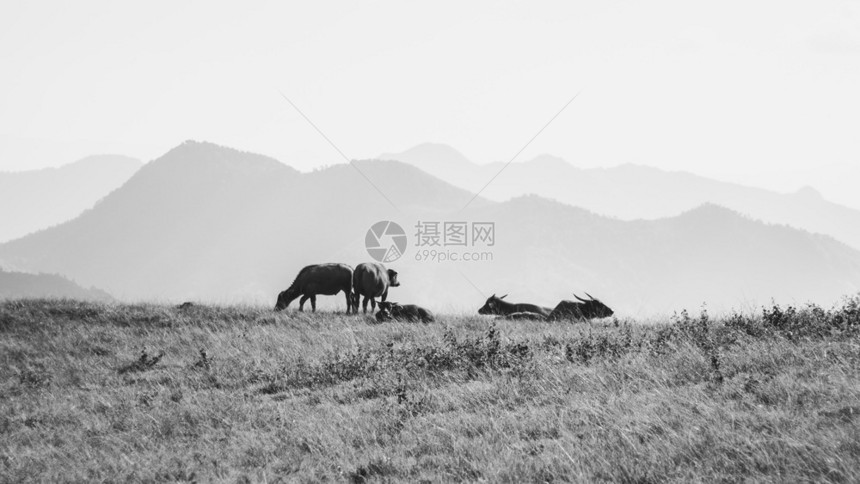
(372, 280)
(325, 279)
(391, 311)
(523, 316)
(495, 305)
(584, 309)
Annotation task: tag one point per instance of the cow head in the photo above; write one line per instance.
(493, 305)
(385, 309)
(593, 308)
(387, 305)
(285, 298)
(392, 278)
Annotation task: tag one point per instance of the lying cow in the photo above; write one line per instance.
(584, 309)
(496, 305)
(391, 311)
(523, 316)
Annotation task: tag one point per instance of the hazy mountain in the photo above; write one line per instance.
(205, 222)
(439, 160)
(37, 199)
(632, 192)
(709, 254)
(17, 285)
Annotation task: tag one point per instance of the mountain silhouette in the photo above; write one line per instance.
(205, 221)
(37, 199)
(17, 285)
(708, 255)
(631, 192)
(210, 223)
(434, 158)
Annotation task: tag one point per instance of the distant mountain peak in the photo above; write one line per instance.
(36, 199)
(205, 155)
(709, 209)
(191, 145)
(434, 158)
(809, 193)
(550, 161)
(105, 160)
(17, 285)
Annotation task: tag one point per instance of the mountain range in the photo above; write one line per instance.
(210, 223)
(16, 285)
(37, 199)
(631, 192)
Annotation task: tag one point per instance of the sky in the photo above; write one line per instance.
(762, 93)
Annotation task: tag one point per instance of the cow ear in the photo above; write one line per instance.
(503, 296)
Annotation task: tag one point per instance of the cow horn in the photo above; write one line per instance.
(583, 300)
(503, 296)
(592, 297)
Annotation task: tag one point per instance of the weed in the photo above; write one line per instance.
(376, 468)
(143, 363)
(203, 362)
(601, 346)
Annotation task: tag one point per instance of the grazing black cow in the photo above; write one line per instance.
(372, 280)
(391, 311)
(325, 279)
(585, 309)
(495, 305)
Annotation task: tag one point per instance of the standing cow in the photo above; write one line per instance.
(325, 279)
(372, 280)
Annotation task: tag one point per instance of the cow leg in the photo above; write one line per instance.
(384, 295)
(372, 304)
(348, 301)
(314, 302)
(364, 305)
(302, 303)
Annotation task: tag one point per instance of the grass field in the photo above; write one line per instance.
(153, 393)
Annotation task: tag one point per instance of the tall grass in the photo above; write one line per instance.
(154, 393)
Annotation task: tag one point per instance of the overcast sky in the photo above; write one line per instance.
(763, 93)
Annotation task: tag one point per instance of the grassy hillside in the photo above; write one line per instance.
(131, 393)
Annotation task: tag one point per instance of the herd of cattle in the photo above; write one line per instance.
(371, 280)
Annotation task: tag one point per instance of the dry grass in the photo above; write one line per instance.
(153, 393)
